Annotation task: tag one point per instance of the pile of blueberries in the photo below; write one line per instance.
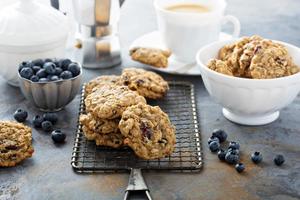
(232, 154)
(45, 122)
(47, 70)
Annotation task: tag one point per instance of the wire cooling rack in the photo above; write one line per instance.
(180, 105)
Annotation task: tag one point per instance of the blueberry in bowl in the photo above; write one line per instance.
(50, 84)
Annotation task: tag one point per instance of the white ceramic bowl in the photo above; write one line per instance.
(248, 101)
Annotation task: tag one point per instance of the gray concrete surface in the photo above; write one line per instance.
(48, 175)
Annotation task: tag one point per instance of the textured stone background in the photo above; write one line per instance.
(48, 175)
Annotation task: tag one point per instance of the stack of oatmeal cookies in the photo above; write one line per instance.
(117, 113)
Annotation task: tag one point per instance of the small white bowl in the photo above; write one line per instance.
(248, 101)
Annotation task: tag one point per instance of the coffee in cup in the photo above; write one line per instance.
(186, 26)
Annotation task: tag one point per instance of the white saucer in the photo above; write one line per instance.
(154, 40)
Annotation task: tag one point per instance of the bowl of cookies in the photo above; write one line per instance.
(251, 77)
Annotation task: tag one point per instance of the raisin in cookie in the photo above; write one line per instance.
(151, 56)
(109, 102)
(100, 82)
(146, 83)
(148, 131)
(103, 126)
(15, 143)
(114, 139)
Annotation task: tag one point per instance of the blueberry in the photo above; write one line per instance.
(52, 117)
(22, 65)
(234, 145)
(26, 72)
(38, 62)
(48, 60)
(54, 78)
(43, 80)
(64, 63)
(58, 137)
(42, 73)
(34, 78)
(49, 68)
(58, 71)
(25, 64)
(37, 121)
(231, 158)
(240, 167)
(256, 157)
(212, 138)
(20, 115)
(221, 134)
(47, 126)
(66, 75)
(56, 62)
(74, 68)
(214, 146)
(279, 160)
(234, 151)
(36, 69)
(221, 154)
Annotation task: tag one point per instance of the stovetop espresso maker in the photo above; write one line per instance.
(97, 31)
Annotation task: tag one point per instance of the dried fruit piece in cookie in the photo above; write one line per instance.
(109, 102)
(151, 56)
(100, 82)
(15, 143)
(146, 83)
(148, 131)
(114, 140)
(103, 126)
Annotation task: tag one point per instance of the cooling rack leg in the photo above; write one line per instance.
(136, 183)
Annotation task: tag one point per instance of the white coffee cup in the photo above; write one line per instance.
(185, 32)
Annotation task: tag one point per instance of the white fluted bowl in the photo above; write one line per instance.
(248, 101)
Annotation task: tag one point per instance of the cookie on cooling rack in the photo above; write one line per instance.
(146, 83)
(148, 131)
(109, 102)
(113, 139)
(100, 82)
(15, 143)
(103, 126)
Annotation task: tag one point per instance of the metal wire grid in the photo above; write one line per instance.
(180, 105)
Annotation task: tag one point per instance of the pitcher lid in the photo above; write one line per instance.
(29, 23)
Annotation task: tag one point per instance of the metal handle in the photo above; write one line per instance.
(136, 183)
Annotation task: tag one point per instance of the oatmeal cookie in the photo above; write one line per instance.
(271, 60)
(148, 131)
(146, 83)
(114, 139)
(15, 143)
(151, 56)
(220, 66)
(103, 126)
(233, 53)
(109, 102)
(100, 82)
